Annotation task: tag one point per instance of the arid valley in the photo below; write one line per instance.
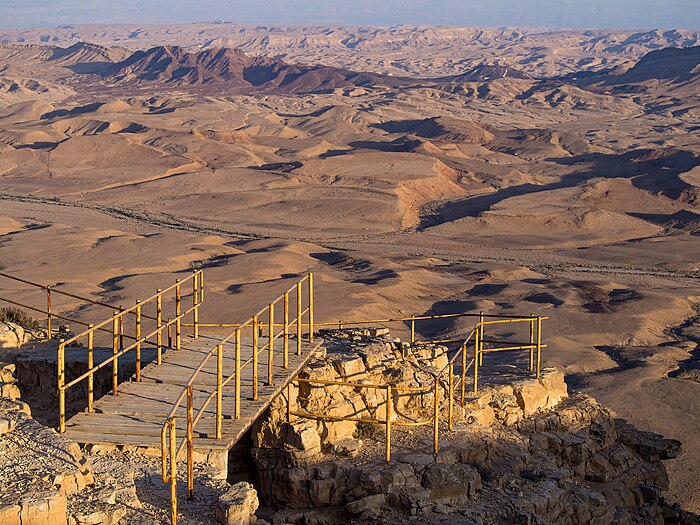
(413, 170)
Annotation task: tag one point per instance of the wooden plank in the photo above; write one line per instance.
(137, 414)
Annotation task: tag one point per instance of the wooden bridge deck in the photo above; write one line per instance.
(135, 416)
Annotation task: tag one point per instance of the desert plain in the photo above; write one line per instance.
(414, 170)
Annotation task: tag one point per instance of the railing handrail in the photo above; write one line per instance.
(217, 349)
(433, 384)
(118, 350)
(132, 309)
(227, 339)
(396, 320)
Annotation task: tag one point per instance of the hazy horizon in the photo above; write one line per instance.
(594, 14)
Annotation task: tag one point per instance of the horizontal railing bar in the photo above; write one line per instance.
(336, 418)
(121, 353)
(124, 312)
(524, 319)
(511, 348)
(38, 310)
(360, 420)
(243, 325)
(339, 383)
(501, 318)
(87, 299)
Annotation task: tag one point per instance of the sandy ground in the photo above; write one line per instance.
(580, 206)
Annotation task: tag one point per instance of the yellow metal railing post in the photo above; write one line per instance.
(476, 358)
(532, 342)
(271, 342)
(219, 388)
(61, 361)
(299, 310)
(436, 416)
(389, 402)
(413, 329)
(121, 328)
(195, 304)
(173, 472)
(289, 402)
(539, 344)
(311, 307)
(91, 364)
(137, 335)
(481, 339)
(255, 357)
(238, 373)
(285, 333)
(450, 394)
(190, 445)
(159, 323)
(464, 372)
(178, 310)
(201, 286)
(48, 312)
(115, 351)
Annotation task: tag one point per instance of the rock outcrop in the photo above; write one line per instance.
(522, 450)
(13, 335)
(238, 505)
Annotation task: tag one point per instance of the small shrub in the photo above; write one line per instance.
(366, 431)
(18, 317)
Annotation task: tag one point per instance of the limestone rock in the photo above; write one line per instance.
(553, 381)
(11, 335)
(454, 484)
(43, 508)
(650, 446)
(302, 434)
(531, 396)
(369, 507)
(7, 372)
(10, 514)
(350, 368)
(238, 505)
(346, 447)
(10, 391)
(378, 332)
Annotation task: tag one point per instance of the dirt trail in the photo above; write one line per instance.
(393, 243)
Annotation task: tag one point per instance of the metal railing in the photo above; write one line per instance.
(114, 327)
(534, 347)
(265, 319)
(48, 298)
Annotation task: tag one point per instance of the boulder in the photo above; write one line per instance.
(238, 505)
(346, 447)
(43, 508)
(10, 391)
(7, 372)
(531, 396)
(10, 514)
(11, 335)
(369, 507)
(302, 434)
(453, 484)
(553, 381)
(350, 368)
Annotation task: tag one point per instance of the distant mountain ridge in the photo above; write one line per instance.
(677, 67)
(230, 70)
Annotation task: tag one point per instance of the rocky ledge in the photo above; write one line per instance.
(522, 451)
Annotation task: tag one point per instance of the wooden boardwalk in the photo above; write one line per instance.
(135, 416)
